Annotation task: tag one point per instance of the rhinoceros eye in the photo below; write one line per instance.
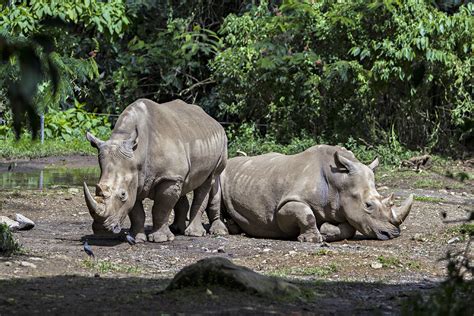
(123, 196)
(369, 207)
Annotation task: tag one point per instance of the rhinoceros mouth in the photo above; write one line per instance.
(386, 234)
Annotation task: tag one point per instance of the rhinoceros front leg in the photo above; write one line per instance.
(335, 233)
(200, 199)
(167, 195)
(297, 217)
(137, 220)
(214, 211)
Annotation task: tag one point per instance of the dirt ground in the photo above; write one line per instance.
(54, 275)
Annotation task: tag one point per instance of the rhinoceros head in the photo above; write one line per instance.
(115, 194)
(365, 209)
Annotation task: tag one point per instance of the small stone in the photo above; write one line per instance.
(376, 265)
(452, 193)
(292, 252)
(443, 191)
(209, 292)
(266, 250)
(28, 264)
(36, 259)
(453, 240)
(464, 194)
(418, 237)
(221, 250)
(383, 188)
(8, 263)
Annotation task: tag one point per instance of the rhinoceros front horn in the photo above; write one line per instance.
(92, 205)
(400, 213)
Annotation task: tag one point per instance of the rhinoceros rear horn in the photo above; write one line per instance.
(400, 213)
(92, 205)
(95, 142)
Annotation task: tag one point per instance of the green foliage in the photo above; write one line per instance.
(74, 123)
(342, 69)
(8, 244)
(25, 147)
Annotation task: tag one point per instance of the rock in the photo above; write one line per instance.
(376, 265)
(28, 264)
(453, 240)
(464, 194)
(222, 272)
(8, 263)
(25, 223)
(292, 252)
(266, 250)
(443, 191)
(383, 188)
(418, 237)
(13, 225)
(36, 259)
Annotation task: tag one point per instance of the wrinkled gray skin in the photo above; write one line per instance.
(161, 152)
(323, 193)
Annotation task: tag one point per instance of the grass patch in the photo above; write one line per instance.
(463, 229)
(389, 262)
(104, 266)
(28, 148)
(306, 271)
(460, 176)
(429, 199)
(8, 244)
(323, 252)
(428, 183)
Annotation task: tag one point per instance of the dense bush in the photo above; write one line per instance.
(371, 74)
(351, 69)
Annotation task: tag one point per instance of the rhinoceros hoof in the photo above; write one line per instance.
(195, 231)
(161, 235)
(311, 237)
(218, 228)
(140, 238)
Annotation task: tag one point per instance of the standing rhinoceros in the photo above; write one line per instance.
(161, 152)
(325, 187)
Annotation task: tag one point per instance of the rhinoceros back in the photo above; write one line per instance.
(178, 139)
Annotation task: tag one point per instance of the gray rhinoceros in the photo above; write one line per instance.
(323, 193)
(161, 152)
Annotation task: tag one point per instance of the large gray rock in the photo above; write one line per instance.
(222, 272)
(19, 222)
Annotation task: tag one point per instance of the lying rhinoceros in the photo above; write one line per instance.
(161, 152)
(323, 193)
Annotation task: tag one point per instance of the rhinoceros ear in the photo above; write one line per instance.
(95, 142)
(349, 165)
(374, 164)
(132, 142)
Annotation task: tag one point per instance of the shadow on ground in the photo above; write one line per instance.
(101, 295)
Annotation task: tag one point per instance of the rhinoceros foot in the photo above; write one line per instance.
(161, 235)
(218, 228)
(140, 238)
(222, 272)
(311, 237)
(196, 230)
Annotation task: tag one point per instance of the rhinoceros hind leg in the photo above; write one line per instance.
(200, 199)
(180, 215)
(214, 211)
(218, 228)
(137, 220)
(297, 217)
